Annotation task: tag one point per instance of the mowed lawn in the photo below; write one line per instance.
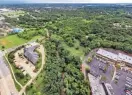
(13, 40)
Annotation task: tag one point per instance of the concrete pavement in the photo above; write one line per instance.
(114, 73)
(3, 85)
(96, 87)
(7, 86)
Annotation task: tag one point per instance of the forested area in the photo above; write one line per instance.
(93, 34)
(94, 26)
(72, 34)
(62, 72)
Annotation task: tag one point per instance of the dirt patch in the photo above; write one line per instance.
(4, 42)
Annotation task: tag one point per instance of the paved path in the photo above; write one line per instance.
(6, 81)
(13, 73)
(114, 73)
(41, 68)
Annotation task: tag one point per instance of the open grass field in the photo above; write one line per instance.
(77, 50)
(14, 40)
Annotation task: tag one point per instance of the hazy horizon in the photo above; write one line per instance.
(64, 1)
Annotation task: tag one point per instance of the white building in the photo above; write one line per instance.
(4, 10)
(107, 54)
(120, 57)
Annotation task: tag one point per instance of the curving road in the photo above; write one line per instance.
(13, 73)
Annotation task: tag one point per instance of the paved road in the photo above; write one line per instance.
(3, 67)
(6, 80)
(41, 68)
(4, 87)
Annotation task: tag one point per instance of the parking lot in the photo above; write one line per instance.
(99, 68)
(120, 85)
(26, 66)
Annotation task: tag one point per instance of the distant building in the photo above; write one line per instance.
(4, 10)
(120, 57)
(2, 18)
(30, 54)
(17, 30)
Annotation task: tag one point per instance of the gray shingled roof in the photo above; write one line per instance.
(30, 54)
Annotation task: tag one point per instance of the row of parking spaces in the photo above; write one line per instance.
(128, 86)
(104, 60)
(122, 85)
(96, 87)
(127, 70)
(101, 68)
(109, 89)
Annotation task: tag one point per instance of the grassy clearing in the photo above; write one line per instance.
(77, 50)
(36, 86)
(35, 38)
(13, 40)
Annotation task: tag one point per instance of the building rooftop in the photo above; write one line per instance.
(4, 10)
(125, 58)
(30, 54)
(107, 54)
(17, 30)
(116, 57)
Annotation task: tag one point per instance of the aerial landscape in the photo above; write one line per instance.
(64, 47)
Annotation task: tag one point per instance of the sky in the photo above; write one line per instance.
(65, 1)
